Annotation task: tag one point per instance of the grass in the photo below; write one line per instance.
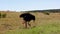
(24, 31)
(45, 24)
(44, 29)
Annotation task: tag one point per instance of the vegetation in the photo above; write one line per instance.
(46, 12)
(46, 29)
(2, 15)
(12, 24)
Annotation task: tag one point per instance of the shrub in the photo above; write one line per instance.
(4, 16)
(0, 15)
(46, 12)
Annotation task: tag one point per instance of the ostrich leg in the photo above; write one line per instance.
(29, 24)
(25, 24)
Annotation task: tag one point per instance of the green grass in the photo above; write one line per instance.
(43, 29)
(25, 31)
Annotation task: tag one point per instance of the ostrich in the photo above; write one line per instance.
(27, 17)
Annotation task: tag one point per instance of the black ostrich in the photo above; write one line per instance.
(27, 17)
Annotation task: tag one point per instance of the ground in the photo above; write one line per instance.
(45, 24)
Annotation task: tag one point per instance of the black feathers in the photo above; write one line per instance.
(27, 16)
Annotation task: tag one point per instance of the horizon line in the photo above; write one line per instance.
(28, 10)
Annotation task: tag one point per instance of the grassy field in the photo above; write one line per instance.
(45, 24)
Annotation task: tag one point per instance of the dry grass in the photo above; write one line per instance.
(13, 22)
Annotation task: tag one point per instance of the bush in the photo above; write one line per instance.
(2, 15)
(46, 12)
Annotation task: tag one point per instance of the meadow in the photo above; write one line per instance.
(44, 24)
